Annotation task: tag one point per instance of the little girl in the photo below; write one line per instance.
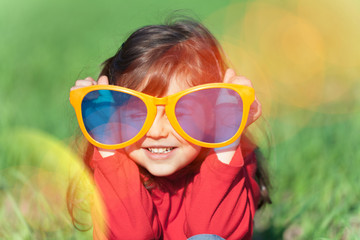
(164, 156)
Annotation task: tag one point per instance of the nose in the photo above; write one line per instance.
(161, 126)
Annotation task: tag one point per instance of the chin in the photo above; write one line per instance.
(161, 172)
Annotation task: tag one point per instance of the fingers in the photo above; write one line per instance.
(83, 83)
(254, 112)
(103, 80)
(86, 82)
(231, 77)
(255, 108)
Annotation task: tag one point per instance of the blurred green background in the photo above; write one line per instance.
(303, 58)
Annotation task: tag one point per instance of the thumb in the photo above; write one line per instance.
(229, 74)
(103, 80)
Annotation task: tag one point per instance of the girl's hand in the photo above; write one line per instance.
(255, 108)
(103, 80)
(225, 154)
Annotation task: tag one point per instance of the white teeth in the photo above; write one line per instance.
(160, 150)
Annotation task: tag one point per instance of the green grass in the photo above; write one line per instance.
(45, 46)
(315, 176)
(34, 175)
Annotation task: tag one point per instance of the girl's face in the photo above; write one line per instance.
(162, 151)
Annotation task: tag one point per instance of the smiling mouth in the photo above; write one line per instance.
(160, 150)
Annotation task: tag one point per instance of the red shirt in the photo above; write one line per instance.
(220, 199)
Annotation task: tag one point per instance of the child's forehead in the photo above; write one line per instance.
(178, 83)
(167, 85)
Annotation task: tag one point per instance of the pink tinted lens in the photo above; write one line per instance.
(211, 115)
(112, 117)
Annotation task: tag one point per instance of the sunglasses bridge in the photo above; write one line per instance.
(160, 101)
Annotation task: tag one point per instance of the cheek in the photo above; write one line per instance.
(134, 152)
(129, 149)
(134, 148)
(191, 152)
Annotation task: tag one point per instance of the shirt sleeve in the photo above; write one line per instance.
(221, 200)
(129, 212)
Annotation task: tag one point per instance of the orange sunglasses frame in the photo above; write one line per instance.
(246, 93)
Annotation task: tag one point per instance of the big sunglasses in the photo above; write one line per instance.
(210, 115)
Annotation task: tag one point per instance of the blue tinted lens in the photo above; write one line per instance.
(112, 117)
